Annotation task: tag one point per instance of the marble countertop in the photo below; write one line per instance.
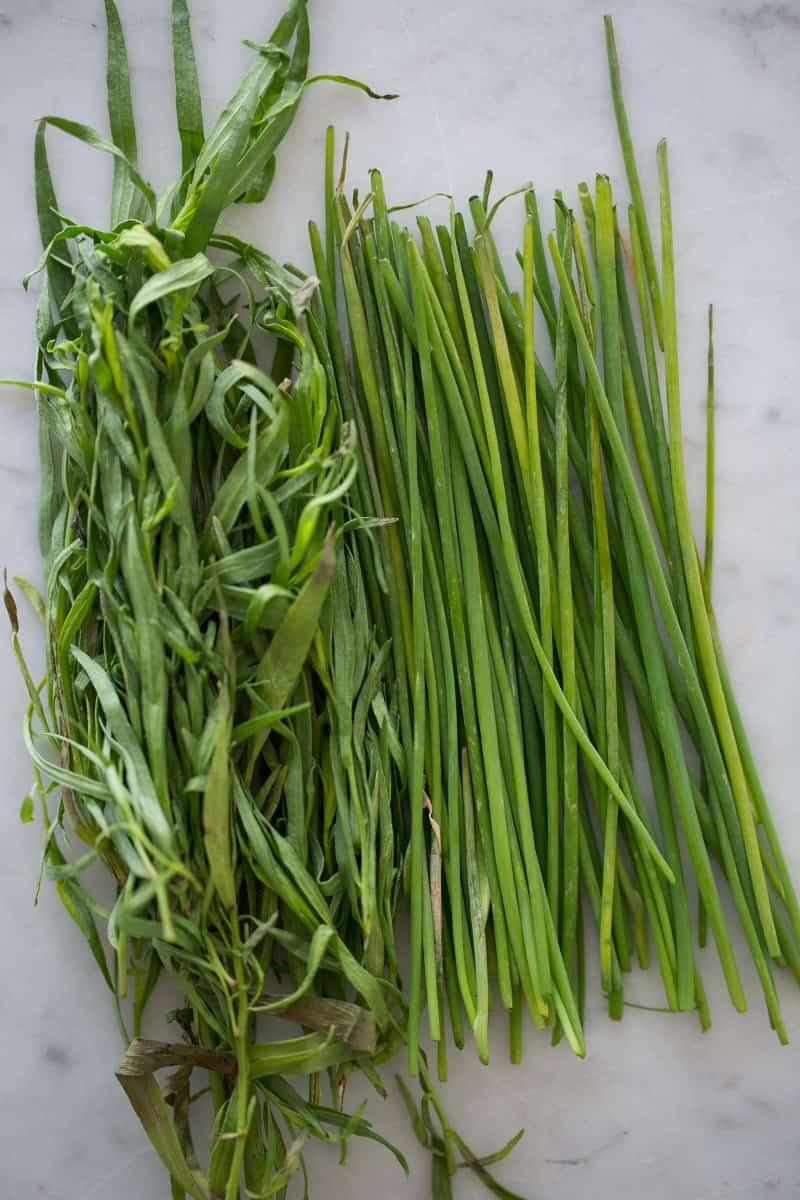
(657, 1109)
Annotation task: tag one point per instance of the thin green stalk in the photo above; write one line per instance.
(631, 345)
(632, 171)
(505, 370)
(677, 895)
(537, 266)
(419, 913)
(606, 683)
(484, 234)
(672, 546)
(331, 222)
(641, 450)
(567, 642)
(613, 980)
(452, 992)
(587, 206)
(433, 952)
(550, 727)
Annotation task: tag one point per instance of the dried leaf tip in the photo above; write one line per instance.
(10, 603)
(303, 295)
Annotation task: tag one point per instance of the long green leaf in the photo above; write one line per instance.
(120, 115)
(188, 105)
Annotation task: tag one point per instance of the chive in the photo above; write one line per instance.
(419, 912)
(634, 184)
(567, 643)
(542, 276)
(672, 547)
(543, 561)
(606, 673)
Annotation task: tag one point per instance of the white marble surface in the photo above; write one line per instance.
(656, 1109)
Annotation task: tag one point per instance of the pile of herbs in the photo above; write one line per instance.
(350, 598)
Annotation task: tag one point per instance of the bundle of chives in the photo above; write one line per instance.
(548, 595)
